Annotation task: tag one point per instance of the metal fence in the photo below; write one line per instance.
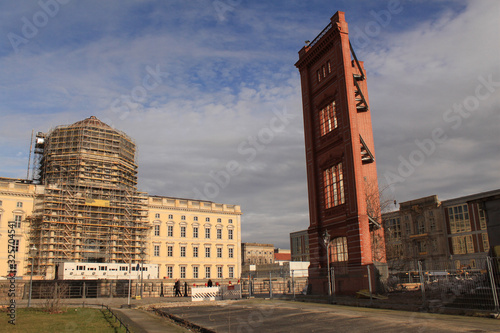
(274, 284)
(475, 287)
(99, 289)
(448, 284)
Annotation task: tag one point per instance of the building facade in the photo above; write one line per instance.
(299, 245)
(83, 206)
(461, 231)
(192, 239)
(417, 232)
(471, 222)
(90, 210)
(16, 204)
(257, 254)
(344, 206)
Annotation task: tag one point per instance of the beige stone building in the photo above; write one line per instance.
(16, 203)
(192, 239)
(257, 254)
(188, 239)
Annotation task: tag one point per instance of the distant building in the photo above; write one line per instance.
(299, 245)
(463, 229)
(415, 233)
(194, 239)
(473, 226)
(282, 255)
(257, 254)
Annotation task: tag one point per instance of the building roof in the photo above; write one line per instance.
(92, 121)
(472, 197)
(283, 256)
(257, 244)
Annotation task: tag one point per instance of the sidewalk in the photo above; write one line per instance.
(137, 319)
(141, 321)
(273, 316)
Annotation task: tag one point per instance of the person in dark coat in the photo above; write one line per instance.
(177, 288)
(209, 283)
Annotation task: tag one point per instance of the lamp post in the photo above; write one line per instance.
(326, 239)
(129, 279)
(142, 255)
(32, 252)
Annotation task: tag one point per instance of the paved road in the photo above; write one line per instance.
(259, 315)
(141, 321)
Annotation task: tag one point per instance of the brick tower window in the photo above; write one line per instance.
(334, 186)
(338, 250)
(328, 118)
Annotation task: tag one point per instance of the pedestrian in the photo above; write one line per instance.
(185, 289)
(209, 283)
(177, 288)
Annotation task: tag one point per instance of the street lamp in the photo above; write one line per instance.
(129, 279)
(32, 252)
(326, 239)
(142, 255)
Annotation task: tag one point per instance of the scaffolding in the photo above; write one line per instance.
(91, 210)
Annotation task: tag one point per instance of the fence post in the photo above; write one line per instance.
(493, 285)
(249, 286)
(270, 286)
(333, 281)
(422, 283)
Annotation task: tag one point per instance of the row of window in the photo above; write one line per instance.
(254, 252)
(195, 218)
(458, 217)
(170, 232)
(325, 70)
(16, 223)
(19, 204)
(196, 273)
(258, 261)
(464, 244)
(133, 268)
(182, 251)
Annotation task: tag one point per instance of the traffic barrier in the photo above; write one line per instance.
(199, 294)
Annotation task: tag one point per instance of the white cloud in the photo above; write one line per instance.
(225, 79)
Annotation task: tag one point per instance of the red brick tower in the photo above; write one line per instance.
(341, 169)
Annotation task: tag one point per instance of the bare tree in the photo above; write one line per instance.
(378, 201)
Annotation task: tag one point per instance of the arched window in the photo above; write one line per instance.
(338, 250)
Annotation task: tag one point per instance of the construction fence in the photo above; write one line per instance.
(275, 283)
(447, 285)
(450, 285)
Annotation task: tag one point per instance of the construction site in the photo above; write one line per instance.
(90, 209)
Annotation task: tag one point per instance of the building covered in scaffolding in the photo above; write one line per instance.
(90, 209)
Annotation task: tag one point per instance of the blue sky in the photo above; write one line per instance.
(199, 84)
